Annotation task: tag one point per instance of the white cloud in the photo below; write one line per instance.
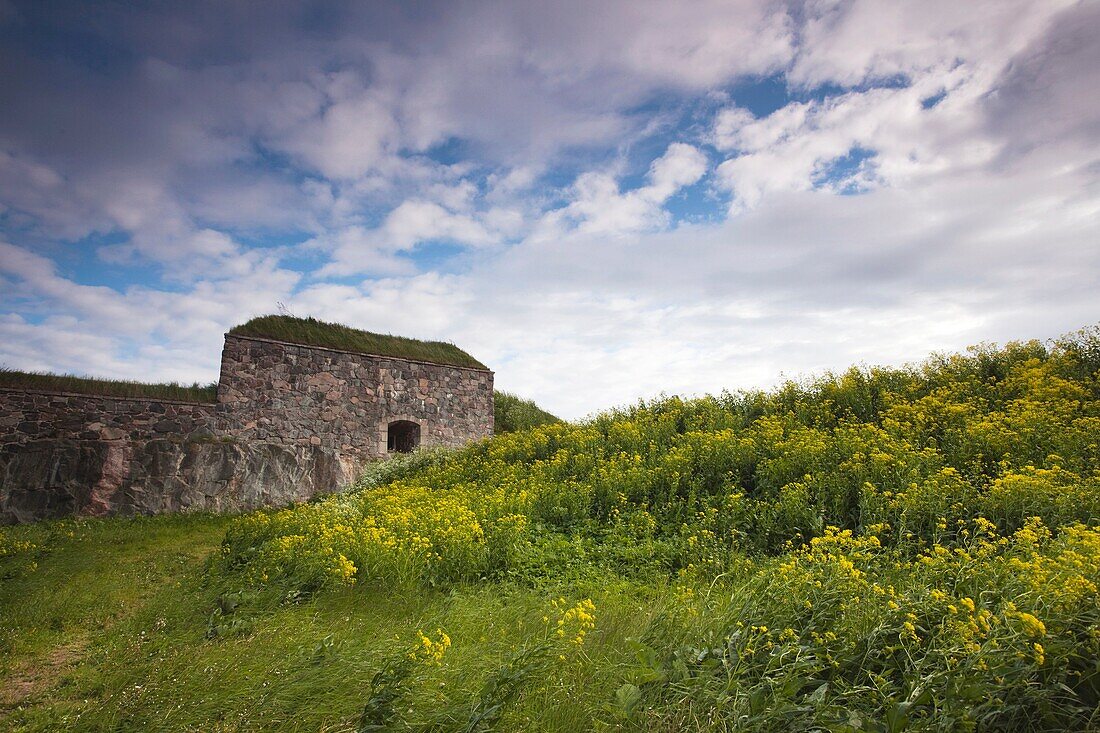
(956, 52)
(361, 250)
(791, 149)
(358, 250)
(848, 42)
(349, 138)
(100, 331)
(681, 165)
(418, 221)
(737, 129)
(712, 42)
(802, 283)
(599, 206)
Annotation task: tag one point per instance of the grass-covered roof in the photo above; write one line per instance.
(311, 332)
(14, 379)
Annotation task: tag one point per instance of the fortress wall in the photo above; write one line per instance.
(48, 478)
(291, 422)
(33, 415)
(344, 401)
(63, 454)
(297, 395)
(452, 405)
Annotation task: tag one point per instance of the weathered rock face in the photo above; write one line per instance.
(49, 478)
(291, 422)
(55, 478)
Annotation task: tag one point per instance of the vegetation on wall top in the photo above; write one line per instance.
(312, 332)
(306, 331)
(14, 379)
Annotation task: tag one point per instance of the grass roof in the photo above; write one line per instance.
(311, 332)
(107, 387)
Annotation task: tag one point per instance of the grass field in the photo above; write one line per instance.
(881, 550)
(118, 629)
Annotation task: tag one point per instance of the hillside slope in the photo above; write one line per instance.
(884, 549)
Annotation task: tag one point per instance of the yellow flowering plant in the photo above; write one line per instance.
(919, 543)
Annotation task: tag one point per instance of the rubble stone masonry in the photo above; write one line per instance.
(291, 421)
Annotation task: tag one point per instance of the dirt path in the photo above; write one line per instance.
(32, 678)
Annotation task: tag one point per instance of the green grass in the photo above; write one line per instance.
(311, 332)
(113, 629)
(14, 379)
(511, 413)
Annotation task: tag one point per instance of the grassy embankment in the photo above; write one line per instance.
(118, 629)
(512, 413)
(886, 550)
(196, 392)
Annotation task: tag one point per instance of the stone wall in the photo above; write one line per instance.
(343, 401)
(291, 422)
(27, 415)
(42, 479)
(65, 453)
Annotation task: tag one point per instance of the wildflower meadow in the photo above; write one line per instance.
(913, 549)
(884, 549)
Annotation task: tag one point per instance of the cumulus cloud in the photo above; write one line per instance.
(351, 135)
(934, 79)
(1045, 98)
(599, 206)
(850, 42)
(375, 251)
(140, 333)
(800, 284)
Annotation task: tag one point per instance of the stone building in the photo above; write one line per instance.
(301, 405)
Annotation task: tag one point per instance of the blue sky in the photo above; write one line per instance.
(603, 201)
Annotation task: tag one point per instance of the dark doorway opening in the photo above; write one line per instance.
(402, 436)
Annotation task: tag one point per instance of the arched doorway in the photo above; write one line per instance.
(402, 436)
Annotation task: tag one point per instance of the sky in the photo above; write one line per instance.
(602, 201)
